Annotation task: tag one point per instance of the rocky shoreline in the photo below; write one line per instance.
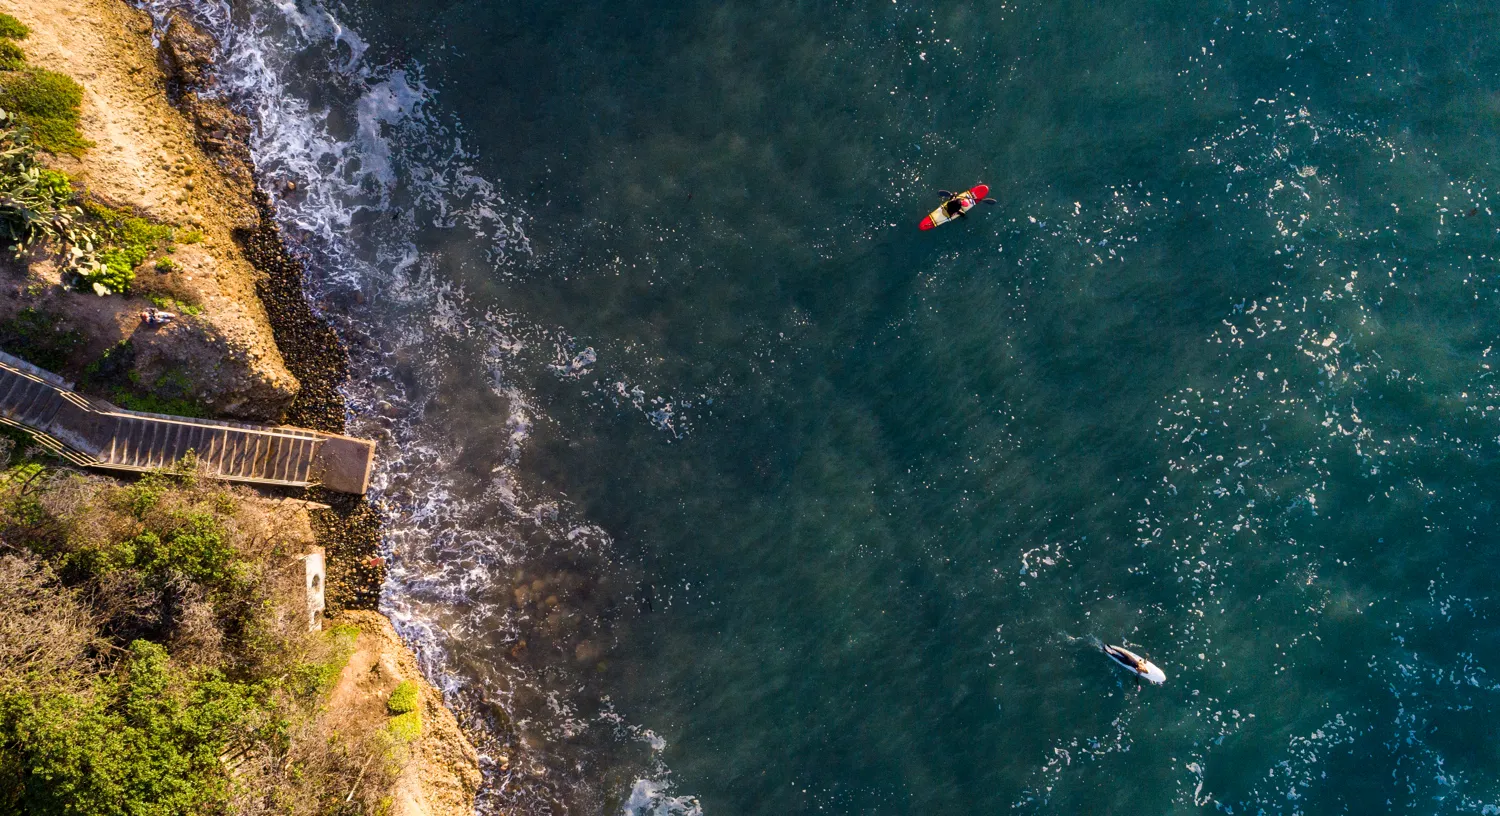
(255, 312)
(350, 530)
(312, 351)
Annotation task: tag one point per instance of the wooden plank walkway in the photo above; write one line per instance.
(94, 433)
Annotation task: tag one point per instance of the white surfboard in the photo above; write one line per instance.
(1135, 664)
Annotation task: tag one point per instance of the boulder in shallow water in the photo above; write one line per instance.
(588, 651)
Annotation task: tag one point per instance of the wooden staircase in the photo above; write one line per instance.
(94, 433)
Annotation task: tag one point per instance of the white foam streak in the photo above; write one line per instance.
(649, 798)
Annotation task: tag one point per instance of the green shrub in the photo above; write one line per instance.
(145, 742)
(405, 728)
(403, 698)
(194, 546)
(144, 496)
(197, 549)
(13, 29)
(191, 236)
(165, 265)
(12, 58)
(93, 563)
(35, 203)
(47, 103)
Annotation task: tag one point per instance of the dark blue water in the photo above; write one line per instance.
(714, 482)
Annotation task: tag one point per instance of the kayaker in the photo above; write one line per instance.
(954, 208)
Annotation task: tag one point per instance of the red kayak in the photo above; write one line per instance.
(966, 200)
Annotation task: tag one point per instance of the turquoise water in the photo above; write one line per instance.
(736, 491)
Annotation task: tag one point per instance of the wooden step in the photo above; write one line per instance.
(93, 433)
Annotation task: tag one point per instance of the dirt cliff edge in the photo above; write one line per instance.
(440, 773)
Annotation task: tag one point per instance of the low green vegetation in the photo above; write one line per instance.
(127, 241)
(152, 404)
(153, 659)
(112, 369)
(404, 728)
(19, 476)
(12, 58)
(405, 724)
(12, 29)
(317, 678)
(114, 377)
(174, 305)
(403, 698)
(190, 236)
(38, 337)
(47, 103)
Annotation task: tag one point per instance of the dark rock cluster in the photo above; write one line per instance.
(350, 535)
(350, 531)
(187, 54)
(312, 350)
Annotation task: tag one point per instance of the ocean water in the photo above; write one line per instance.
(716, 487)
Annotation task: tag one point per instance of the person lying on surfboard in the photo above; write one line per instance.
(1135, 663)
(1140, 662)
